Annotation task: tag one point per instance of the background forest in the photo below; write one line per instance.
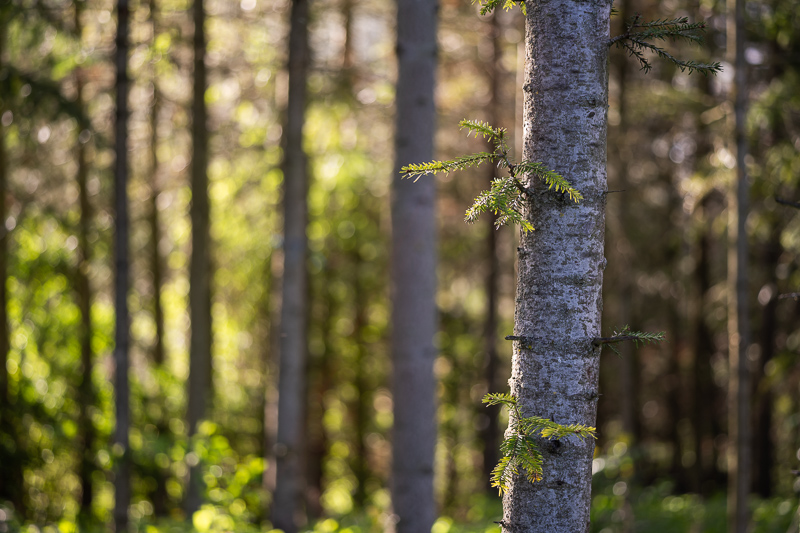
(662, 433)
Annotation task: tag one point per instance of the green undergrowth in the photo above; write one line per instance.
(616, 507)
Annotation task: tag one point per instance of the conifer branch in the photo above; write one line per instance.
(505, 195)
(519, 449)
(639, 36)
(625, 334)
(487, 6)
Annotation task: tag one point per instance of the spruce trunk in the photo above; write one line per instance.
(560, 264)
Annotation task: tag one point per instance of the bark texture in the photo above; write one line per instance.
(739, 394)
(122, 489)
(559, 300)
(200, 269)
(287, 509)
(413, 272)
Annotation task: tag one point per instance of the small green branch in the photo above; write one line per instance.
(519, 449)
(639, 36)
(506, 194)
(625, 334)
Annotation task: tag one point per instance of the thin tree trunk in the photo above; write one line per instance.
(287, 510)
(628, 366)
(84, 293)
(559, 284)
(11, 479)
(200, 269)
(491, 432)
(160, 496)
(363, 400)
(122, 489)
(763, 445)
(413, 272)
(739, 394)
(704, 389)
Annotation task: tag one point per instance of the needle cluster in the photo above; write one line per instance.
(506, 194)
(519, 449)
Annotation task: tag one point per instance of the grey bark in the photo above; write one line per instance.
(122, 489)
(559, 300)
(413, 272)
(287, 510)
(200, 268)
(739, 394)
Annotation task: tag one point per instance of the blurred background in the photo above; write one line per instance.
(660, 463)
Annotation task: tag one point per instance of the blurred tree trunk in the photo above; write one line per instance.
(739, 394)
(763, 445)
(490, 433)
(200, 389)
(159, 496)
(703, 346)
(11, 479)
(628, 368)
(319, 378)
(413, 271)
(287, 511)
(122, 489)
(86, 392)
(363, 400)
(559, 284)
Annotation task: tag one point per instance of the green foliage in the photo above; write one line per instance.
(504, 197)
(487, 6)
(519, 449)
(639, 38)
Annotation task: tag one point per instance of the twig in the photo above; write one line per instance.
(788, 202)
(794, 295)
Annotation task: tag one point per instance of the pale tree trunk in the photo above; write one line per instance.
(287, 504)
(86, 393)
(200, 269)
(122, 489)
(559, 302)
(739, 394)
(413, 272)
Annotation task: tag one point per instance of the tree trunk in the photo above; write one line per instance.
(491, 433)
(739, 394)
(561, 263)
(763, 445)
(11, 478)
(413, 272)
(200, 269)
(84, 294)
(287, 511)
(159, 496)
(122, 489)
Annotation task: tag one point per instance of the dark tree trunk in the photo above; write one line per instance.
(122, 489)
(290, 449)
(200, 390)
(413, 272)
(11, 479)
(83, 291)
(159, 497)
(491, 433)
(739, 393)
(763, 445)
